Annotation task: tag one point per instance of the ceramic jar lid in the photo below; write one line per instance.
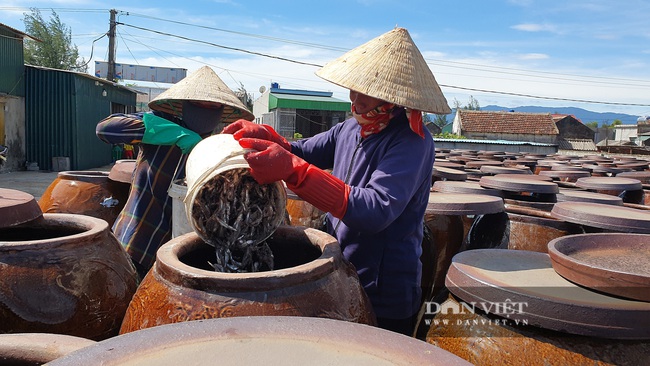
(477, 164)
(523, 285)
(518, 184)
(609, 183)
(448, 164)
(636, 166)
(122, 171)
(17, 207)
(603, 169)
(463, 204)
(492, 169)
(449, 173)
(578, 195)
(610, 217)
(464, 187)
(643, 176)
(566, 167)
(613, 263)
(534, 177)
(568, 174)
(264, 340)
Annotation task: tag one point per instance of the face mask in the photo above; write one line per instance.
(199, 119)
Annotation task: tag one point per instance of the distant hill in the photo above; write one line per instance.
(582, 114)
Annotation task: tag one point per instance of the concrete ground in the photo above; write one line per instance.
(33, 182)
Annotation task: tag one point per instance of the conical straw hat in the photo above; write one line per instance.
(391, 68)
(203, 85)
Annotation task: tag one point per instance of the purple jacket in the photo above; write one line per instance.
(381, 233)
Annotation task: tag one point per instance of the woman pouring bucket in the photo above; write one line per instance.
(381, 161)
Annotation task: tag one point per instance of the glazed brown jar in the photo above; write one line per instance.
(311, 279)
(64, 274)
(89, 193)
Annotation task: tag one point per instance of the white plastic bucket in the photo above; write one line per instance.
(212, 156)
(177, 192)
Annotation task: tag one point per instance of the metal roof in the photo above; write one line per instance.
(495, 142)
(314, 102)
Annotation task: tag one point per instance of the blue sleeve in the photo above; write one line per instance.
(319, 149)
(121, 129)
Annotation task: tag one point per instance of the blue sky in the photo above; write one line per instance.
(509, 52)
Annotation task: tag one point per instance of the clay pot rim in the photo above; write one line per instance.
(171, 268)
(39, 347)
(90, 176)
(89, 225)
(332, 335)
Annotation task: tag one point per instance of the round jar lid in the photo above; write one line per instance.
(643, 176)
(122, 171)
(609, 183)
(613, 263)
(492, 169)
(569, 174)
(17, 207)
(463, 204)
(449, 173)
(520, 284)
(518, 184)
(464, 187)
(448, 164)
(578, 195)
(610, 217)
(477, 164)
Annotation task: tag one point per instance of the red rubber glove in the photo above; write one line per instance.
(247, 129)
(271, 163)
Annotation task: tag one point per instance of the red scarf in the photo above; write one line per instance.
(377, 119)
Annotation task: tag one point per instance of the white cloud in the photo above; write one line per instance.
(534, 56)
(535, 27)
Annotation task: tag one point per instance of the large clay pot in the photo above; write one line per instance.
(486, 340)
(37, 348)
(532, 229)
(311, 278)
(302, 213)
(64, 274)
(89, 193)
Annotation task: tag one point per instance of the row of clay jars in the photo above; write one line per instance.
(67, 274)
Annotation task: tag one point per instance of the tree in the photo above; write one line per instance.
(56, 49)
(244, 96)
(592, 124)
(440, 120)
(472, 105)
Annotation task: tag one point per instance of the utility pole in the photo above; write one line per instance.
(110, 74)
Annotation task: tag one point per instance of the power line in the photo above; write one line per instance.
(463, 65)
(540, 97)
(283, 40)
(437, 62)
(448, 86)
(429, 61)
(221, 46)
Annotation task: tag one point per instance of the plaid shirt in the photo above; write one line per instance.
(145, 223)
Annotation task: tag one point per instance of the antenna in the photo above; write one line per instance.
(262, 89)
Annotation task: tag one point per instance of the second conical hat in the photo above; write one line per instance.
(203, 85)
(391, 68)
